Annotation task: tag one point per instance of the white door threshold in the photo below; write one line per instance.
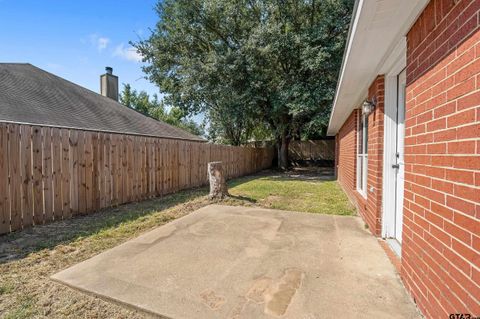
(395, 245)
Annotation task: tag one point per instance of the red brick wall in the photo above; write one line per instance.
(370, 208)
(346, 141)
(441, 233)
(373, 212)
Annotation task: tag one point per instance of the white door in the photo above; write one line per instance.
(399, 166)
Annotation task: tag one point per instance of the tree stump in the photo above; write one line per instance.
(218, 186)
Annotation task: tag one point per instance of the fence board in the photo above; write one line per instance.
(100, 165)
(125, 169)
(66, 212)
(106, 171)
(74, 170)
(152, 167)
(169, 165)
(26, 175)
(133, 158)
(143, 178)
(54, 173)
(15, 177)
(120, 168)
(82, 191)
(128, 170)
(166, 165)
(47, 173)
(38, 213)
(96, 170)
(176, 166)
(116, 190)
(136, 166)
(136, 173)
(4, 199)
(57, 173)
(89, 171)
(157, 167)
(142, 189)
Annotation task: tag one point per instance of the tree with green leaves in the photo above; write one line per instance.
(152, 107)
(246, 63)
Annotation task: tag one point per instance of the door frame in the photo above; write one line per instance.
(389, 144)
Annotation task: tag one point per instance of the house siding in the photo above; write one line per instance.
(346, 140)
(441, 233)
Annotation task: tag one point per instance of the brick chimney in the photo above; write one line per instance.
(109, 84)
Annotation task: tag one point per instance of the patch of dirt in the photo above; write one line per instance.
(312, 173)
(270, 200)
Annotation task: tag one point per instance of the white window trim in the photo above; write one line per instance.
(362, 176)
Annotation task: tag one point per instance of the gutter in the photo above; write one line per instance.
(351, 29)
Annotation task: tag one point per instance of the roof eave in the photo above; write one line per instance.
(344, 59)
(364, 56)
(199, 139)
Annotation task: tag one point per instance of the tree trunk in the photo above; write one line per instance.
(218, 185)
(284, 141)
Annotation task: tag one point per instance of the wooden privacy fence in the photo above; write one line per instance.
(312, 150)
(50, 173)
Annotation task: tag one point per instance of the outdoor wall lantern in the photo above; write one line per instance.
(369, 106)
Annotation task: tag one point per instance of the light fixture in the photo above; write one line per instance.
(369, 106)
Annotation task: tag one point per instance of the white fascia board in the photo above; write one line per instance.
(377, 28)
(356, 15)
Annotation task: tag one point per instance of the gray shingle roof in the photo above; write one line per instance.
(31, 95)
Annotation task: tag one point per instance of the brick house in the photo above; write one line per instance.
(406, 118)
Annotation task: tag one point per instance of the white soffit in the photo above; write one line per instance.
(377, 28)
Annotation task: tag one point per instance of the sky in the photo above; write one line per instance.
(77, 39)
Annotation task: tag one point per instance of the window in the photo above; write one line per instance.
(362, 155)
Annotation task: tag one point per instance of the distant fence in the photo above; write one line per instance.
(312, 151)
(51, 174)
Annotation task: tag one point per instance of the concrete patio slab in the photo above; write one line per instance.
(243, 262)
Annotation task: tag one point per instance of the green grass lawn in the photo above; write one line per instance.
(297, 194)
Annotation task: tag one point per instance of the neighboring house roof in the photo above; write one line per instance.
(377, 29)
(33, 96)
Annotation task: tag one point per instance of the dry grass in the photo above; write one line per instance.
(28, 258)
